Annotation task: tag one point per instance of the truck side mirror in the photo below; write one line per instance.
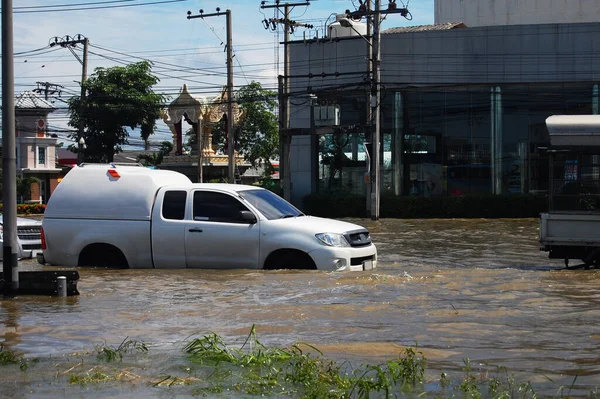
(248, 217)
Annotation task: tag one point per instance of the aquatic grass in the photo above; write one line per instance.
(92, 376)
(8, 357)
(300, 370)
(402, 374)
(109, 354)
(213, 368)
(501, 386)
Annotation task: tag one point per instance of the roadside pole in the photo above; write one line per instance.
(10, 265)
(229, 89)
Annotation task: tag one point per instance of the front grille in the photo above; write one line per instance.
(358, 238)
(29, 232)
(32, 246)
(359, 261)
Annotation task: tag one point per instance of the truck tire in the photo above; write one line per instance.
(289, 259)
(103, 256)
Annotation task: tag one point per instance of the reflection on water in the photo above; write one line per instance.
(476, 289)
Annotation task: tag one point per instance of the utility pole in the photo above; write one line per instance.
(48, 89)
(229, 89)
(70, 42)
(369, 116)
(375, 100)
(375, 109)
(285, 138)
(10, 266)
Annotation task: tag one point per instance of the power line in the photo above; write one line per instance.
(97, 7)
(72, 5)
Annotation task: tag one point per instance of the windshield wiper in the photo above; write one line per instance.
(289, 215)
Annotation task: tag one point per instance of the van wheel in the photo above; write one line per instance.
(104, 256)
(289, 259)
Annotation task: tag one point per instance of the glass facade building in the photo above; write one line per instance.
(453, 139)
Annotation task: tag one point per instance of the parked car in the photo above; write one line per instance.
(135, 217)
(28, 237)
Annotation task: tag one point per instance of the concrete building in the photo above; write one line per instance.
(516, 12)
(463, 107)
(35, 147)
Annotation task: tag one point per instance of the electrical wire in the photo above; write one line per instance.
(98, 7)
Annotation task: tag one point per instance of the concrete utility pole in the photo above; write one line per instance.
(375, 107)
(10, 265)
(230, 125)
(285, 138)
(70, 42)
(375, 100)
(369, 116)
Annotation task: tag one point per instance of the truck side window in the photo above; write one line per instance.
(217, 207)
(174, 205)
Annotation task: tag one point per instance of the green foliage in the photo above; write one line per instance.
(24, 186)
(268, 183)
(344, 204)
(299, 371)
(8, 357)
(109, 354)
(257, 134)
(91, 377)
(116, 98)
(156, 158)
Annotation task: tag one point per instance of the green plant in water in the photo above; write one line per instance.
(469, 383)
(91, 377)
(8, 357)
(402, 374)
(109, 354)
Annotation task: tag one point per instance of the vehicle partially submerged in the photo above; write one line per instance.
(28, 237)
(133, 217)
(571, 227)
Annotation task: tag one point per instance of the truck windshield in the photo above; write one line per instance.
(270, 205)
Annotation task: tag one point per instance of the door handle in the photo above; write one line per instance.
(195, 230)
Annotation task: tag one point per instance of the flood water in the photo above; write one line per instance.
(459, 289)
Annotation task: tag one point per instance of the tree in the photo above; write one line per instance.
(257, 135)
(156, 158)
(116, 98)
(24, 186)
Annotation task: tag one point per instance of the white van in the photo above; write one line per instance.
(134, 217)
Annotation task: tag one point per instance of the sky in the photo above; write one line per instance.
(183, 51)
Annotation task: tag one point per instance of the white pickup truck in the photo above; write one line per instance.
(134, 217)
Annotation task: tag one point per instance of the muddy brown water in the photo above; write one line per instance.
(459, 289)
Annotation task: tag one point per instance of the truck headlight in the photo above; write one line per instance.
(332, 239)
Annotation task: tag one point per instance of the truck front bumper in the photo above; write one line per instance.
(345, 258)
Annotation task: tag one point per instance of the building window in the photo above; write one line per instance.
(41, 155)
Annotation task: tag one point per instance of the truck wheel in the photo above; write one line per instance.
(289, 259)
(103, 255)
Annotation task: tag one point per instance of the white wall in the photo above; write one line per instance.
(516, 12)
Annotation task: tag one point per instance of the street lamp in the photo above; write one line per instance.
(346, 23)
(80, 149)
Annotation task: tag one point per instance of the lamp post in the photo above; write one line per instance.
(80, 148)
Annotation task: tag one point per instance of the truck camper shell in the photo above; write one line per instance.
(574, 131)
(117, 192)
(571, 227)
